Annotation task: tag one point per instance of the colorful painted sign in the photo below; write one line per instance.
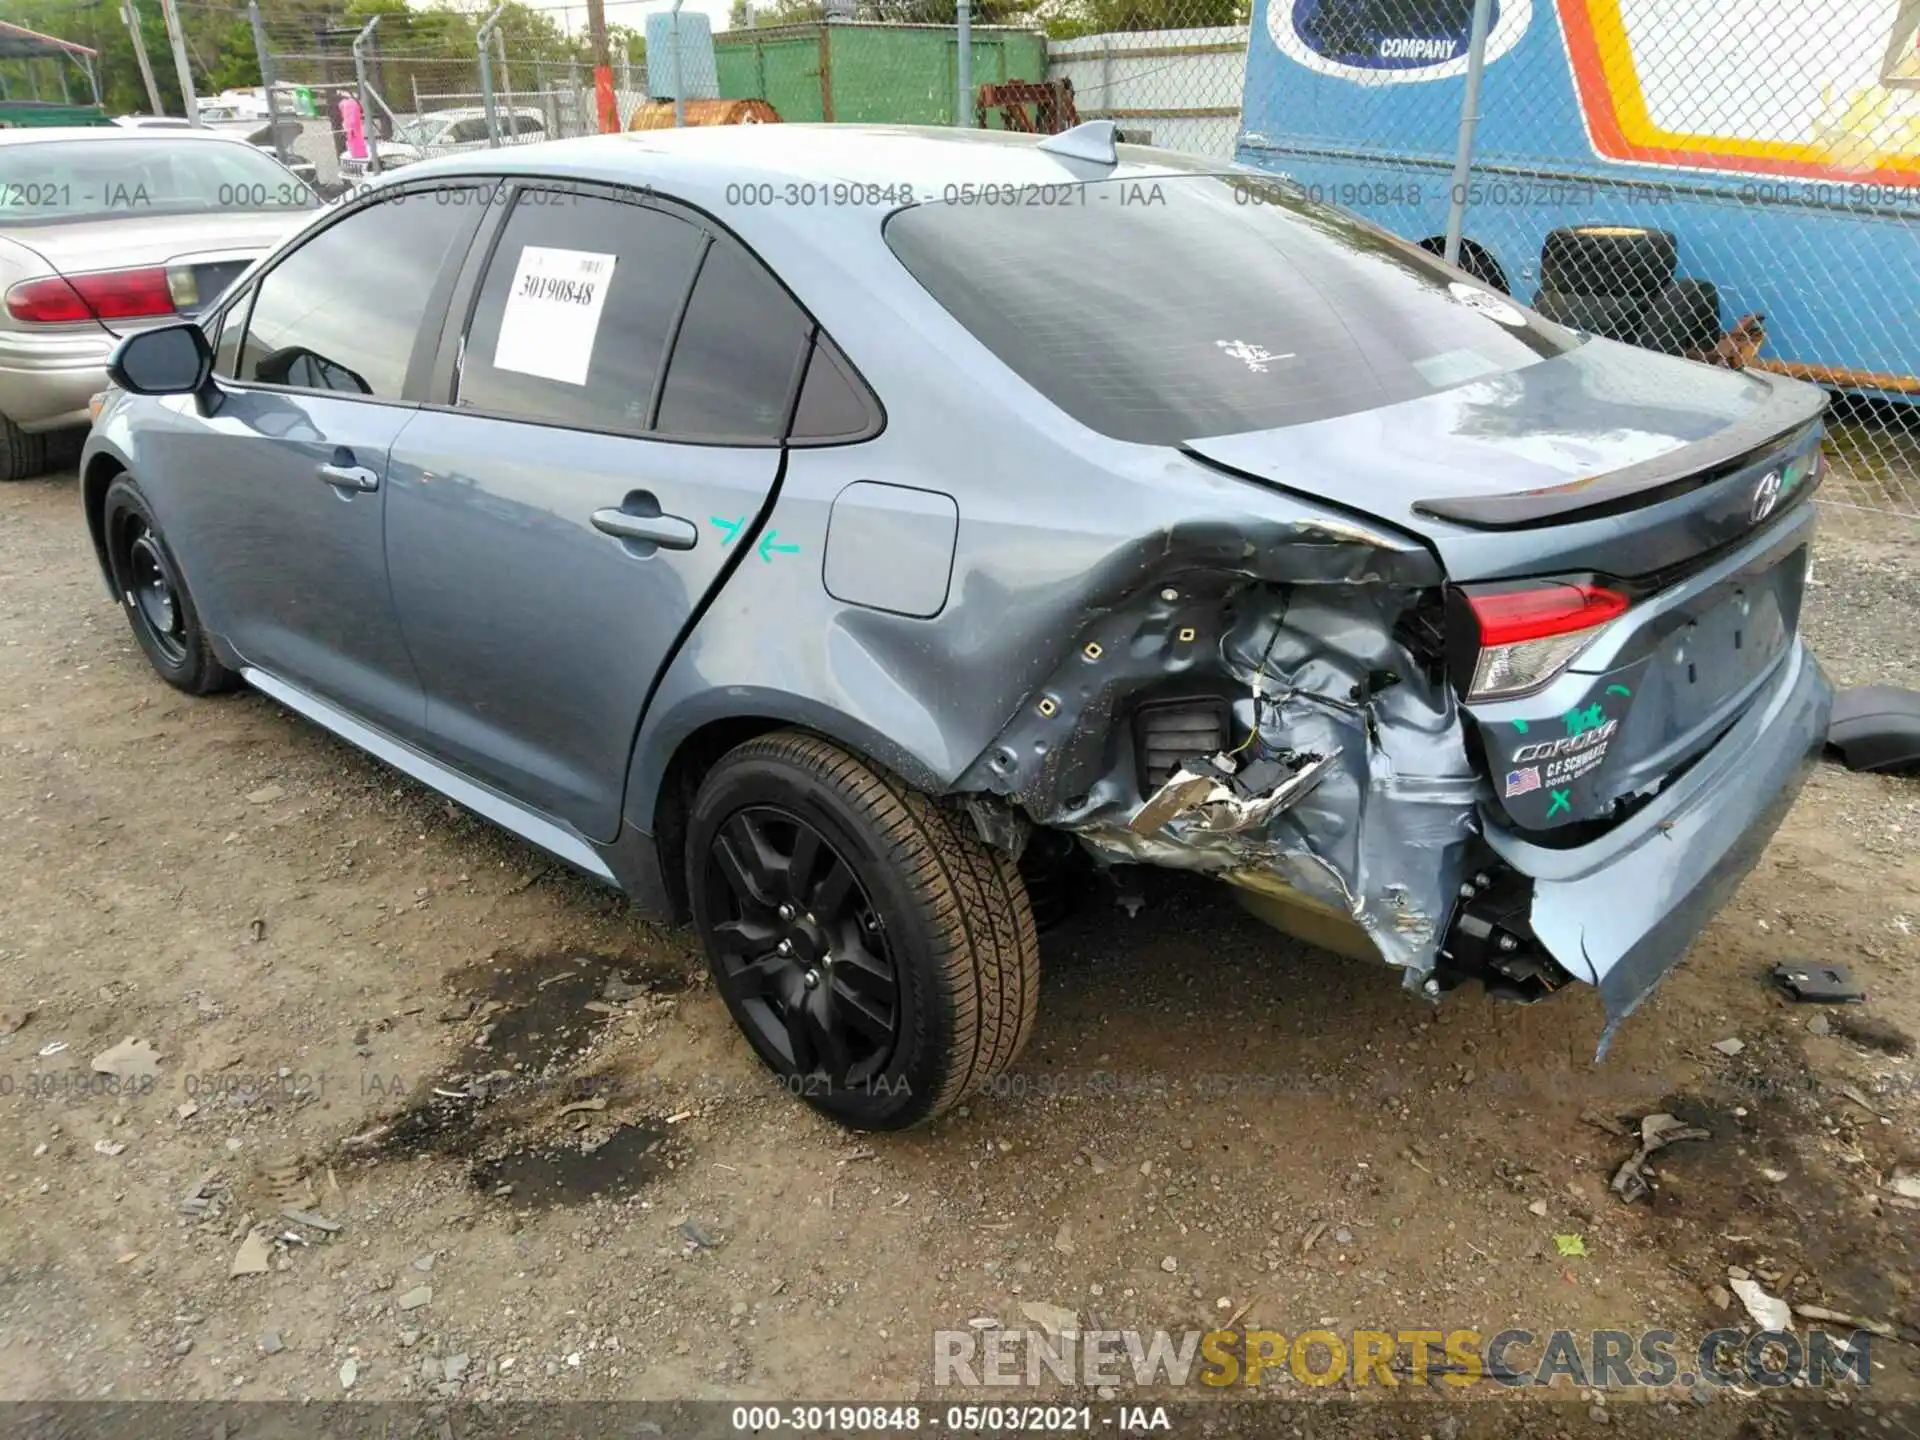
(1824, 89)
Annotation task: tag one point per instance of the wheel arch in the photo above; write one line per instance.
(1476, 259)
(675, 754)
(98, 471)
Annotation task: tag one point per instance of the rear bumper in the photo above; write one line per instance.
(47, 380)
(1621, 911)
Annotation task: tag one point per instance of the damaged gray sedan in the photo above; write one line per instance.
(803, 528)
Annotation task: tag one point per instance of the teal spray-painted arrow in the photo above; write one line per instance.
(766, 545)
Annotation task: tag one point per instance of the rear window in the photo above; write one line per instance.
(153, 175)
(1184, 306)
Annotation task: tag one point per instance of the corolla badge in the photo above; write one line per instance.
(1766, 496)
(1390, 42)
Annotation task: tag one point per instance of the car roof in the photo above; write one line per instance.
(107, 134)
(707, 164)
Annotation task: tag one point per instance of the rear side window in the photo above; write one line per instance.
(738, 354)
(1184, 306)
(575, 311)
(834, 405)
(343, 311)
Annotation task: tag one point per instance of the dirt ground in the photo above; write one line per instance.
(556, 1172)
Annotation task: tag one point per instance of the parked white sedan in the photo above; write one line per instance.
(450, 132)
(109, 229)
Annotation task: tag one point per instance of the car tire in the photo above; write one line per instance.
(148, 581)
(1611, 316)
(1682, 319)
(1621, 260)
(879, 957)
(22, 456)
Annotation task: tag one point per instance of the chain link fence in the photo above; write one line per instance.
(1733, 180)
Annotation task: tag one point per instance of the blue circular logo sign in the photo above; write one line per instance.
(1387, 42)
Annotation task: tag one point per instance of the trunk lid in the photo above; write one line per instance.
(1607, 458)
(1678, 486)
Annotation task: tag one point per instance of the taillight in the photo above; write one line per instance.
(102, 294)
(1530, 633)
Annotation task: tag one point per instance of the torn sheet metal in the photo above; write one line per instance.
(1233, 805)
(1373, 799)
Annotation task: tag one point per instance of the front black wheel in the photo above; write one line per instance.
(878, 956)
(155, 597)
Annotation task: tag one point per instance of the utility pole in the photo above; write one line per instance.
(178, 39)
(131, 13)
(602, 68)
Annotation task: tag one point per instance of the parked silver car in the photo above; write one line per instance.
(109, 229)
(801, 528)
(450, 132)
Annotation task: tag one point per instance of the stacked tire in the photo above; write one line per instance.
(1620, 282)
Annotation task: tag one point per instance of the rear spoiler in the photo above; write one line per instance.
(1789, 407)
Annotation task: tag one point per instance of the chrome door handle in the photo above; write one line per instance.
(669, 532)
(349, 477)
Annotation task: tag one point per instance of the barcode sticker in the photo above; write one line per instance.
(553, 313)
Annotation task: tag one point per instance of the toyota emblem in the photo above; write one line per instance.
(1766, 495)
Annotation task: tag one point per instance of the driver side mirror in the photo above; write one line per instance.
(172, 360)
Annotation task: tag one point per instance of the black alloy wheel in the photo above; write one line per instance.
(803, 953)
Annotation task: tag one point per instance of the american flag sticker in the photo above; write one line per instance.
(1519, 782)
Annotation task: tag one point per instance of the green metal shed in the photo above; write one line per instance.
(869, 73)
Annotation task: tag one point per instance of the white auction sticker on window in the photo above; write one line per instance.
(553, 313)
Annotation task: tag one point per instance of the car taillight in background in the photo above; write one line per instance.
(103, 294)
(1528, 633)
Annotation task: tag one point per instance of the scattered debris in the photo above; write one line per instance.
(311, 1220)
(1063, 1238)
(619, 990)
(1905, 1183)
(130, 1060)
(1813, 983)
(1570, 1244)
(253, 1257)
(187, 1109)
(1128, 901)
(1314, 1232)
(598, 1102)
(271, 1343)
(423, 1263)
(415, 1298)
(1170, 1264)
(12, 1017)
(1818, 1025)
(1538, 1207)
(1656, 1133)
(699, 1235)
(266, 795)
(1840, 1317)
(1857, 1098)
(257, 928)
(1771, 1175)
(1720, 1296)
(1058, 1321)
(108, 1147)
(349, 1372)
(1769, 1312)
(1732, 1045)
(50, 1049)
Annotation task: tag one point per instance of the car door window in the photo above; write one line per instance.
(737, 357)
(343, 311)
(542, 347)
